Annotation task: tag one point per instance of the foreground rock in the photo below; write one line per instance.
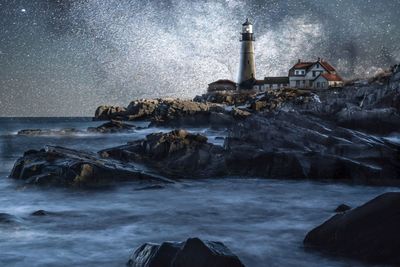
(369, 233)
(176, 154)
(59, 166)
(192, 253)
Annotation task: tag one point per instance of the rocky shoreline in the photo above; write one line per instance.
(335, 135)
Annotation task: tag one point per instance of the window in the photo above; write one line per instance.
(317, 65)
(297, 83)
(318, 84)
(314, 73)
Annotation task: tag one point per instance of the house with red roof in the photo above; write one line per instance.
(314, 75)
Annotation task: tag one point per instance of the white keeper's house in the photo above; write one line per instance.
(315, 75)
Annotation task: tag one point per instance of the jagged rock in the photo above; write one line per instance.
(342, 208)
(112, 127)
(175, 154)
(381, 120)
(59, 166)
(281, 145)
(240, 113)
(110, 112)
(369, 233)
(194, 253)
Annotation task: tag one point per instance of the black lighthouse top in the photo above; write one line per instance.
(247, 22)
(247, 31)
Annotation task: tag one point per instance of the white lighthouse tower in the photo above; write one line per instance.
(247, 68)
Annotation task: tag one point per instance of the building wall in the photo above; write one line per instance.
(321, 83)
(221, 87)
(315, 68)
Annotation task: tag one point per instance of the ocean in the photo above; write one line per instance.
(263, 221)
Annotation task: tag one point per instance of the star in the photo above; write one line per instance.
(23, 10)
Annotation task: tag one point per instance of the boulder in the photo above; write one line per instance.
(112, 126)
(368, 233)
(193, 252)
(110, 112)
(59, 166)
(174, 154)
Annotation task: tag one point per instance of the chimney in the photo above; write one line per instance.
(299, 60)
(319, 59)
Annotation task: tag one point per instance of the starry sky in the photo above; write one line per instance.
(66, 57)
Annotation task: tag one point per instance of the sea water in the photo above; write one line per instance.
(263, 221)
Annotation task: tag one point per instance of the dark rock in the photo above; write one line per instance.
(369, 233)
(174, 154)
(342, 208)
(155, 255)
(281, 145)
(39, 213)
(110, 112)
(34, 132)
(6, 218)
(112, 127)
(194, 253)
(67, 167)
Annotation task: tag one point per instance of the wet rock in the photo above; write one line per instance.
(39, 213)
(369, 233)
(193, 252)
(384, 120)
(112, 127)
(174, 154)
(34, 132)
(57, 166)
(281, 145)
(342, 208)
(6, 218)
(240, 113)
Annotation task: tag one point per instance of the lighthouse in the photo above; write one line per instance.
(247, 68)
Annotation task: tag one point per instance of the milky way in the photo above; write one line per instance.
(65, 57)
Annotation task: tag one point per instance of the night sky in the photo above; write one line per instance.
(66, 57)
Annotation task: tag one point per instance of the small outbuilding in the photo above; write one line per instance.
(222, 85)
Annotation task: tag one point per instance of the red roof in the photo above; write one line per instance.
(303, 65)
(306, 65)
(327, 66)
(223, 81)
(332, 77)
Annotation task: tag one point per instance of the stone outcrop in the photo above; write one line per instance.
(175, 154)
(110, 112)
(369, 233)
(281, 145)
(193, 252)
(57, 166)
(112, 126)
